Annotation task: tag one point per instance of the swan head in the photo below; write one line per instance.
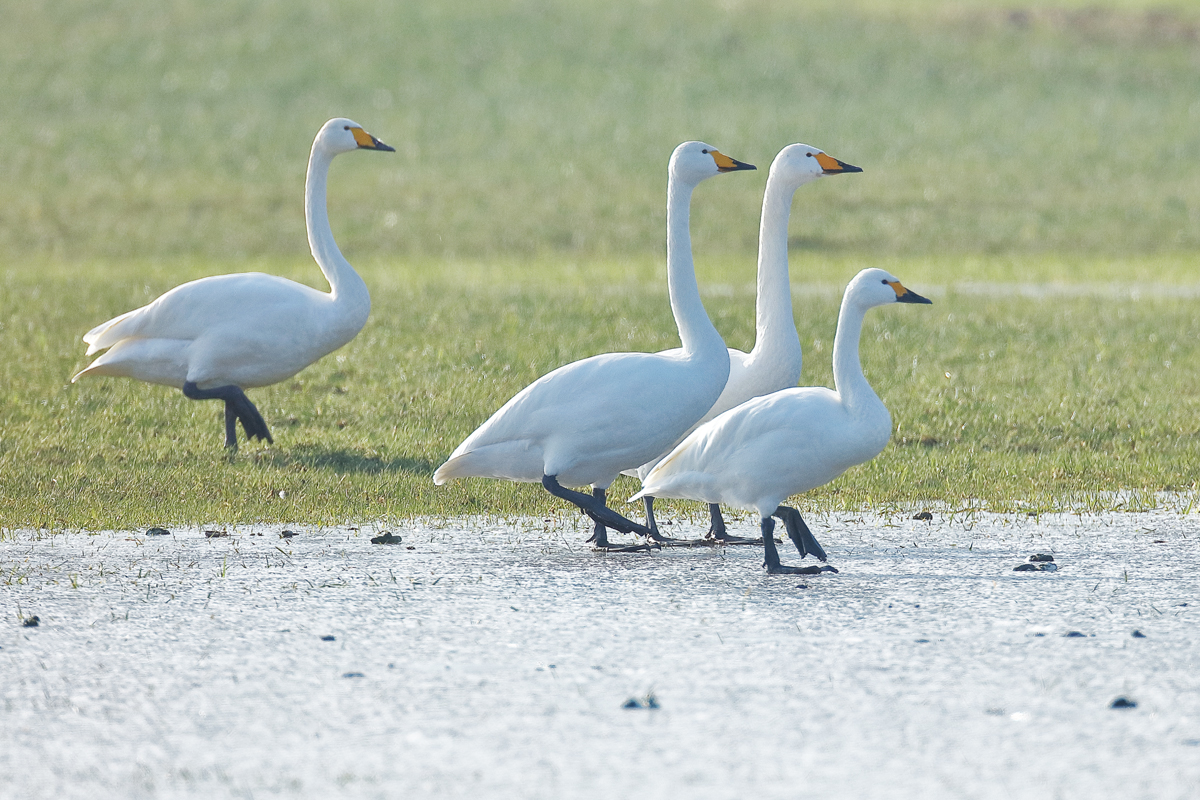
(797, 164)
(692, 162)
(343, 135)
(878, 287)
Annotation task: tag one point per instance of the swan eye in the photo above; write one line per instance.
(704, 151)
(345, 127)
(884, 282)
(810, 155)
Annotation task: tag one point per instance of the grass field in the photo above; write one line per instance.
(520, 226)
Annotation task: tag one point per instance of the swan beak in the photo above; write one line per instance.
(727, 164)
(834, 167)
(368, 142)
(907, 295)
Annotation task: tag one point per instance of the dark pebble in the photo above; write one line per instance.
(1039, 557)
(1139, 635)
(288, 534)
(924, 516)
(649, 701)
(31, 622)
(409, 547)
(1075, 635)
(1026, 568)
(922, 641)
(353, 675)
(1123, 702)
(216, 534)
(1160, 541)
(158, 532)
(386, 538)
(328, 638)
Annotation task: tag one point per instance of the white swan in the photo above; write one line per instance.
(217, 336)
(775, 361)
(586, 422)
(756, 455)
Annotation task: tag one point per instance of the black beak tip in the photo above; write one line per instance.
(385, 148)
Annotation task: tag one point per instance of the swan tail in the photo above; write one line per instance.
(513, 461)
(106, 334)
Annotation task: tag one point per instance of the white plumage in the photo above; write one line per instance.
(775, 361)
(217, 336)
(757, 454)
(586, 422)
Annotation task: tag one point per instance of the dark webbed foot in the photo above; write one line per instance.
(717, 535)
(799, 533)
(237, 407)
(771, 561)
(601, 514)
(599, 538)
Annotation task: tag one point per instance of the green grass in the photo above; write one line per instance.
(1004, 401)
(520, 223)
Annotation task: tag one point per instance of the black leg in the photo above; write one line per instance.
(799, 533)
(230, 427)
(771, 560)
(651, 523)
(600, 532)
(594, 507)
(717, 534)
(237, 406)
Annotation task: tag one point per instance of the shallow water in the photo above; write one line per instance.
(494, 660)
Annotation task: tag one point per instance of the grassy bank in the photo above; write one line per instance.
(520, 223)
(1014, 401)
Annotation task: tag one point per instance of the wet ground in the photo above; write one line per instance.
(493, 659)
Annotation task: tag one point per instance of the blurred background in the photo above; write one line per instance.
(180, 130)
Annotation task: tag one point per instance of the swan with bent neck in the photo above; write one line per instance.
(775, 361)
(759, 453)
(585, 423)
(218, 336)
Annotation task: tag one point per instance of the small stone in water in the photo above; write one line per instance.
(158, 532)
(1123, 702)
(328, 638)
(288, 534)
(31, 622)
(353, 675)
(924, 516)
(1075, 635)
(1026, 568)
(1139, 635)
(1038, 557)
(386, 538)
(216, 534)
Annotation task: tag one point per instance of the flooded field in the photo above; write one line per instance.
(493, 658)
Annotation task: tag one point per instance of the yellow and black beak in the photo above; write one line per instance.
(727, 164)
(832, 166)
(368, 142)
(907, 295)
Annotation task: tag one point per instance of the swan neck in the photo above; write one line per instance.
(848, 378)
(696, 330)
(774, 320)
(344, 283)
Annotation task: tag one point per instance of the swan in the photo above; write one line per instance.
(756, 455)
(586, 422)
(218, 336)
(775, 361)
